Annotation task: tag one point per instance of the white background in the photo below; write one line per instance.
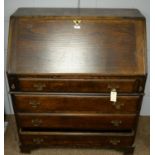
(11, 5)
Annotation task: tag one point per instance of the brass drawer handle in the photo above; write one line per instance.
(39, 86)
(36, 122)
(115, 142)
(116, 123)
(118, 105)
(38, 140)
(112, 86)
(34, 104)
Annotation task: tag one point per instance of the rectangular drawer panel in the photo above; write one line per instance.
(78, 122)
(75, 139)
(76, 104)
(75, 85)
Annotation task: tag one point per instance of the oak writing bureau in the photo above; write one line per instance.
(77, 76)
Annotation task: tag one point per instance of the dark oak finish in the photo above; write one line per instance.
(77, 85)
(76, 104)
(76, 139)
(62, 65)
(77, 121)
(84, 13)
(92, 49)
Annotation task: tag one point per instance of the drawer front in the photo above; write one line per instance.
(77, 122)
(76, 85)
(76, 139)
(76, 104)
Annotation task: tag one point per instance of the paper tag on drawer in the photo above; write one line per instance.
(113, 95)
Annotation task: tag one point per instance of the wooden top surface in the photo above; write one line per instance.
(54, 46)
(88, 12)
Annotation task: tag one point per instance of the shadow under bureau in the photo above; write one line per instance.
(77, 76)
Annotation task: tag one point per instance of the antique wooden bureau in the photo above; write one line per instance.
(77, 76)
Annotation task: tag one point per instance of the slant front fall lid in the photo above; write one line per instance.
(47, 41)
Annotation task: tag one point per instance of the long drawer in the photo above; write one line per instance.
(76, 104)
(75, 85)
(77, 121)
(74, 139)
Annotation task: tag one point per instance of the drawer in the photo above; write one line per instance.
(79, 139)
(75, 85)
(76, 104)
(77, 121)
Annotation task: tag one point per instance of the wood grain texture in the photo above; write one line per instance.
(142, 143)
(76, 139)
(94, 48)
(76, 104)
(131, 85)
(62, 66)
(72, 12)
(77, 121)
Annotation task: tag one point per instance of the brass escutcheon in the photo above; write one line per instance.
(13, 86)
(76, 22)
